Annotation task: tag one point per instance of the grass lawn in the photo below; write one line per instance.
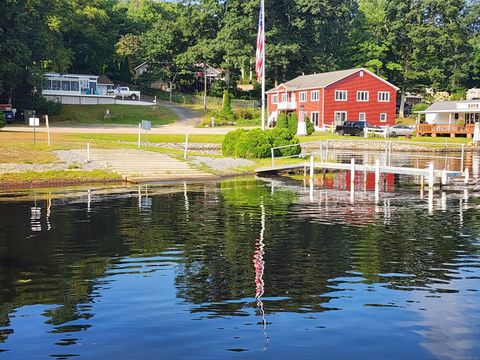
(120, 115)
(214, 139)
(59, 177)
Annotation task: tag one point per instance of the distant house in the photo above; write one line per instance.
(141, 69)
(473, 94)
(76, 88)
(334, 97)
(450, 117)
(211, 73)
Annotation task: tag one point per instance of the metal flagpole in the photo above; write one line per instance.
(263, 65)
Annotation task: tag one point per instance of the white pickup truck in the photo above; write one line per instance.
(124, 92)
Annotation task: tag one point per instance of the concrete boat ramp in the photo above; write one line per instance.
(141, 166)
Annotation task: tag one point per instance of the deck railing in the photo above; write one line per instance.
(445, 129)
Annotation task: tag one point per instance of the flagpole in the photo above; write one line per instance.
(263, 67)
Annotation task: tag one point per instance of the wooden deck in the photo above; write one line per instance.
(451, 130)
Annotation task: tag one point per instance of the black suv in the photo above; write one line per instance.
(354, 128)
(9, 116)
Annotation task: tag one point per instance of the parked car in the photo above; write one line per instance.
(354, 128)
(9, 116)
(400, 130)
(124, 92)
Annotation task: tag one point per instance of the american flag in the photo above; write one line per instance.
(260, 46)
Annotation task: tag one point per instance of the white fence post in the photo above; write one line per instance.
(88, 152)
(186, 147)
(139, 134)
(273, 156)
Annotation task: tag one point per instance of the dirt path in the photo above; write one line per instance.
(187, 116)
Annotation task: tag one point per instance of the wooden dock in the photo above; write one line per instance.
(361, 168)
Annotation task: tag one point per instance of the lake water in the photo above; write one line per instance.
(243, 269)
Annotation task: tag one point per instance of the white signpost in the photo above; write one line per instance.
(146, 126)
(34, 122)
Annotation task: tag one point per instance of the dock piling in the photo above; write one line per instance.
(312, 166)
(467, 175)
(431, 176)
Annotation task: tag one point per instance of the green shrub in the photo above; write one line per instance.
(420, 107)
(293, 123)
(254, 144)
(231, 139)
(257, 144)
(310, 126)
(2, 120)
(283, 137)
(227, 103)
(282, 121)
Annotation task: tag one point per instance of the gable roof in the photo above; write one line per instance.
(104, 80)
(460, 106)
(324, 79)
(141, 65)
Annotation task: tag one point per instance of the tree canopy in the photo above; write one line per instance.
(413, 43)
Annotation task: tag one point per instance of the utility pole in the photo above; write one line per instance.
(205, 87)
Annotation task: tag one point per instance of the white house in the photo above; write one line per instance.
(453, 118)
(453, 112)
(141, 69)
(77, 89)
(473, 94)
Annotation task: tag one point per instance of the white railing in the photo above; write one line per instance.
(289, 105)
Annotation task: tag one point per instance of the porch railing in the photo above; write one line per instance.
(445, 129)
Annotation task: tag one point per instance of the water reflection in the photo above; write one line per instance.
(127, 277)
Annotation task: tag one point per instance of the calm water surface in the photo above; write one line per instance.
(240, 270)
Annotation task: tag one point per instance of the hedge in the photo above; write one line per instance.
(2, 120)
(257, 144)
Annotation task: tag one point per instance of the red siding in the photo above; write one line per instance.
(373, 108)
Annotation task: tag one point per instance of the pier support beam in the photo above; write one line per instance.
(467, 175)
(431, 176)
(312, 167)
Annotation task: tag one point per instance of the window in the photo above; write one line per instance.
(65, 85)
(285, 97)
(383, 117)
(315, 95)
(275, 99)
(383, 96)
(56, 84)
(340, 95)
(315, 118)
(75, 86)
(362, 117)
(340, 117)
(47, 85)
(362, 95)
(303, 96)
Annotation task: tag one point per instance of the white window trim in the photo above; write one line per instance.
(380, 93)
(386, 117)
(340, 112)
(275, 99)
(317, 92)
(341, 91)
(285, 98)
(303, 96)
(318, 118)
(363, 92)
(364, 116)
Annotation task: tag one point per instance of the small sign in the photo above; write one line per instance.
(34, 121)
(146, 125)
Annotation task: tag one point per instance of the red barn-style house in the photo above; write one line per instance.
(334, 97)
